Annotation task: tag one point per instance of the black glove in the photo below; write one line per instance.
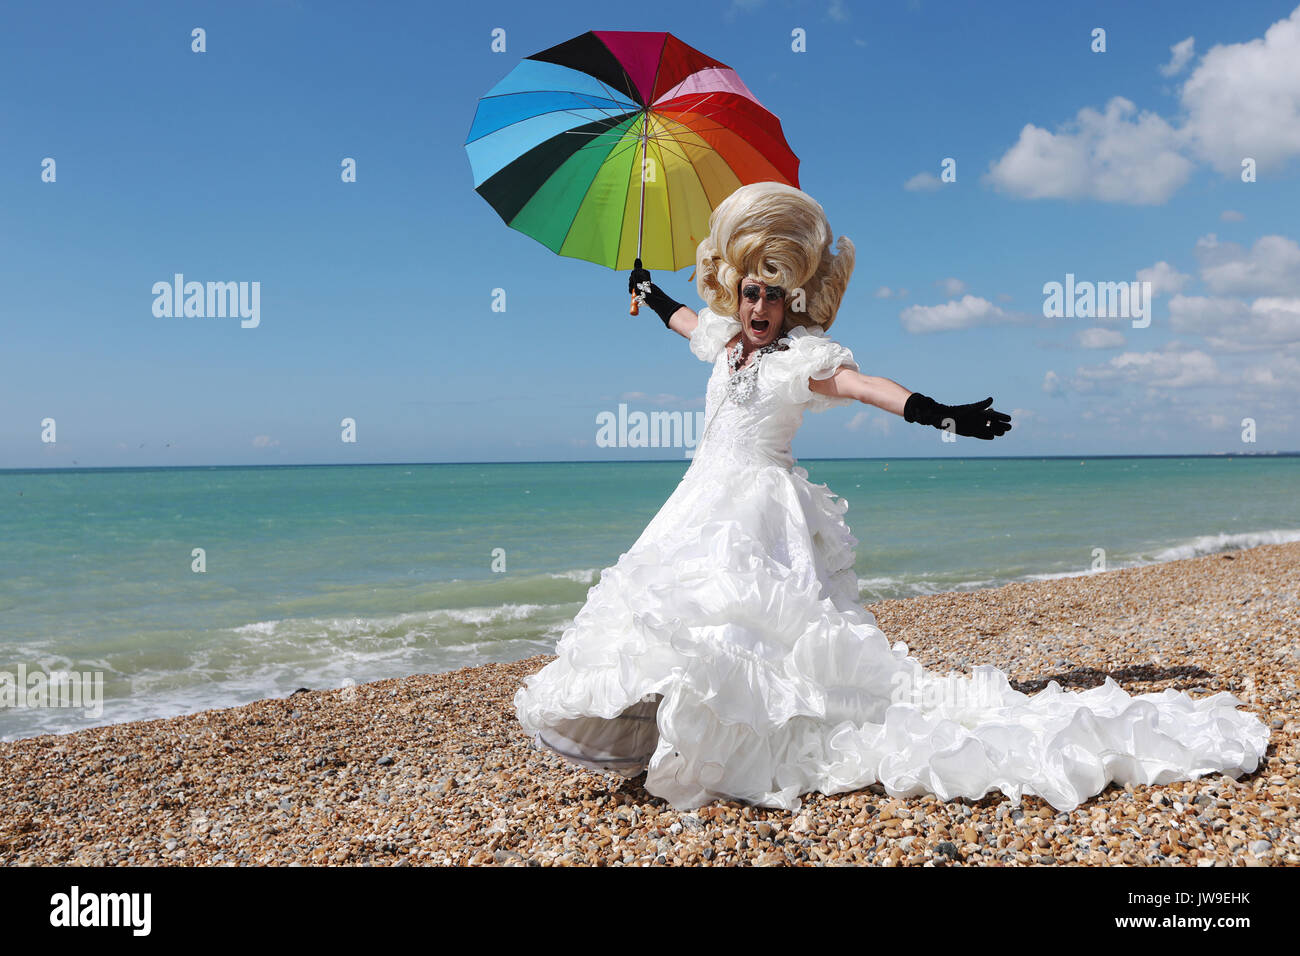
(974, 420)
(651, 294)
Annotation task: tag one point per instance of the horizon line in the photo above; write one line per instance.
(660, 461)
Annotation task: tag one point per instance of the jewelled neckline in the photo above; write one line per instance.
(741, 384)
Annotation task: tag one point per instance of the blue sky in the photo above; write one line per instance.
(376, 296)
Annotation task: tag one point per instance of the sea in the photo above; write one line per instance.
(192, 588)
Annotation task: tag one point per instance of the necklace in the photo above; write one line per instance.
(734, 357)
(741, 384)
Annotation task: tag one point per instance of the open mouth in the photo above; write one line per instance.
(759, 325)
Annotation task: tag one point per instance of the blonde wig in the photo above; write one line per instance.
(779, 234)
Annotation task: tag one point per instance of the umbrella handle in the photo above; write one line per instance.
(635, 306)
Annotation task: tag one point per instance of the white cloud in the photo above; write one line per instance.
(885, 292)
(663, 398)
(1243, 99)
(1100, 339)
(1112, 156)
(742, 7)
(1201, 315)
(265, 441)
(837, 12)
(1282, 372)
(1231, 215)
(923, 182)
(1163, 278)
(872, 423)
(1052, 383)
(1271, 267)
(1166, 369)
(1180, 55)
(951, 286)
(969, 311)
(1232, 325)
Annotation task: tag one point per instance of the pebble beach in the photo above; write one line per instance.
(435, 769)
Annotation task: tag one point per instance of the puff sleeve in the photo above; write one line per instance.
(811, 354)
(712, 334)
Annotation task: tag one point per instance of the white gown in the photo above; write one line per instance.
(727, 654)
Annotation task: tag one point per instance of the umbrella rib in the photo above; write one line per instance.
(627, 144)
(614, 152)
(645, 148)
(606, 114)
(721, 159)
(614, 117)
(648, 109)
(696, 173)
(670, 134)
(613, 95)
(661, 141)
(701, 100)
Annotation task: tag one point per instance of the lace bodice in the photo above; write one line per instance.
(760, 429)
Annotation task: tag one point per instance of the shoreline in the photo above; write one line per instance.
(435, 769)
(179, 701)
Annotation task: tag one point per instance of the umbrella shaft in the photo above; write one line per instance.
(640, 219)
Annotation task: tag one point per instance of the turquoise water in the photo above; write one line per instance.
(320, 576)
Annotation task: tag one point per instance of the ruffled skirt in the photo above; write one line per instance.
(726, 655)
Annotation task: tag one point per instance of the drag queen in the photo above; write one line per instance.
(726, 655)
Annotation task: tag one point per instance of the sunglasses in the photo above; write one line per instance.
(774, 293)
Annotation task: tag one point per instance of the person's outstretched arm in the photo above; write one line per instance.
(973, 420)
(869, 389)
(673, 314)
(684, 321)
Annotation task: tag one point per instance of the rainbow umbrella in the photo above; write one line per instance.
(617, 145)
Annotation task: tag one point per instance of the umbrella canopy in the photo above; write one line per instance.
(559, 146)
